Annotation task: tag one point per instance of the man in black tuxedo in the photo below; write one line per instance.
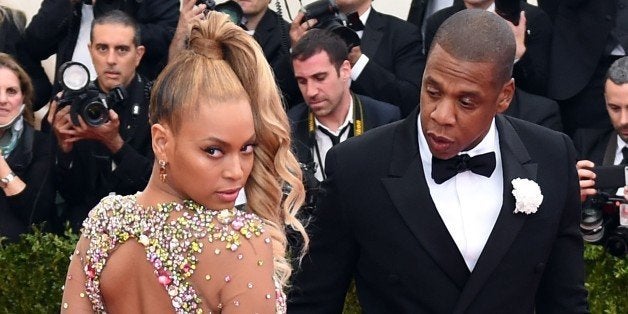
(588, 36)
(605, 147)
(533, 35)
(331, 113)
(418, 240)
(271, 32)
(388, 64)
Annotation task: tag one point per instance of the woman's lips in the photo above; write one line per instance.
(229, 195)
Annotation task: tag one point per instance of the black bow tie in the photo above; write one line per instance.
(354, 22)
(445, 169)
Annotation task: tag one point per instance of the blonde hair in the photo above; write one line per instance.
(223, 62)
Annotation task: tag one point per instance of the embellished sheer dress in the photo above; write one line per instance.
(175, 258)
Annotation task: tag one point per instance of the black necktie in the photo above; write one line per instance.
(334, 139)
(445, 169)
(624, 151)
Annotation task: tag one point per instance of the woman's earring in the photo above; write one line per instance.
(162, 170)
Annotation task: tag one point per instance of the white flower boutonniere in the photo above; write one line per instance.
(527, 194)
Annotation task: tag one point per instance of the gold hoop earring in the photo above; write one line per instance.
(162, 170)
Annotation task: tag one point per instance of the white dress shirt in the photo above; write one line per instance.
(324, 144)
(618, 158)
(81, 51)
(359, 65)
(468, 203)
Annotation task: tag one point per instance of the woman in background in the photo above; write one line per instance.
(27, 190)
(179, 246)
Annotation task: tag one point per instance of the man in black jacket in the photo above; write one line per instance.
(271, 32)
(114, 156)
(389, 63)
(62, 27)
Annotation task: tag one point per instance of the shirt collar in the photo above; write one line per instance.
(365, 16)
(348, 119)
(620, 144)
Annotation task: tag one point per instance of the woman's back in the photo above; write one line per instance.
(174, 257)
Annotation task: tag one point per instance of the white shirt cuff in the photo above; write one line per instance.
(359, 66)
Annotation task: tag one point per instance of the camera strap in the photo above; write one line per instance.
(137, 95)
(358, 129)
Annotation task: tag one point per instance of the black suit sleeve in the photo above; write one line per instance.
(321, 283)
(531, 72)
(48, 28)
(400, 84)
(158, 21)
(561, 289)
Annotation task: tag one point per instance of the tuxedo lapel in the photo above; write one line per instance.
(373, 33)
(516, 163)
(611, 147)
(410, 195)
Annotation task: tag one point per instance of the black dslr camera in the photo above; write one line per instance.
(83, 97)
(600, 223)
(329, 17)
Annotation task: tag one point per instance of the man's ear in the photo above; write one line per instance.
(345, 70)
(161, 141)
(505, 96)
(139, 53)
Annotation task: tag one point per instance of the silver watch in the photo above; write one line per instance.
(6, 180)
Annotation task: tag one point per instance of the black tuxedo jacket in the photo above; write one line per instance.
(376, 222)
(376, 113)
(536, 109)
(272, 35)
(532, 71)
(396, 65)
(596, 145)
(581, 30)
(416, 15)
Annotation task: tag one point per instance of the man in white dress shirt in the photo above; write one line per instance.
(457, 208)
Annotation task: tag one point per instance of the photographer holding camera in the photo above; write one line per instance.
(606, 147)
(388, 63)
(62, 27)
(111, 153)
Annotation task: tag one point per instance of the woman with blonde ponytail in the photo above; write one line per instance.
(218, 126)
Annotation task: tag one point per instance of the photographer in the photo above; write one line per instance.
(388, 64)
(62, 27)
(115, 154)
(605, 148)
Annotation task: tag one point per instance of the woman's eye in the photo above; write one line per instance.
(248, 148)
(213, 151)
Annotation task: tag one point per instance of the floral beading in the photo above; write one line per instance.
(171, 246)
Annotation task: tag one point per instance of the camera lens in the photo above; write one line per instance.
(95, 113)
(591, 225)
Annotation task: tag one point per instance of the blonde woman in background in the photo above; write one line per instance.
(179, 245)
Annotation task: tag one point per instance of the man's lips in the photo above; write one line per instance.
(439, 143)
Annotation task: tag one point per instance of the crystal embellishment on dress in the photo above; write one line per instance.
(172, 235)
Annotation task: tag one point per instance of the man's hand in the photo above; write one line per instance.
(587, 178)
(189, 12)
(61, 124)
(107, 133)
(354, 55)
(298, 27)
(520, 35)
